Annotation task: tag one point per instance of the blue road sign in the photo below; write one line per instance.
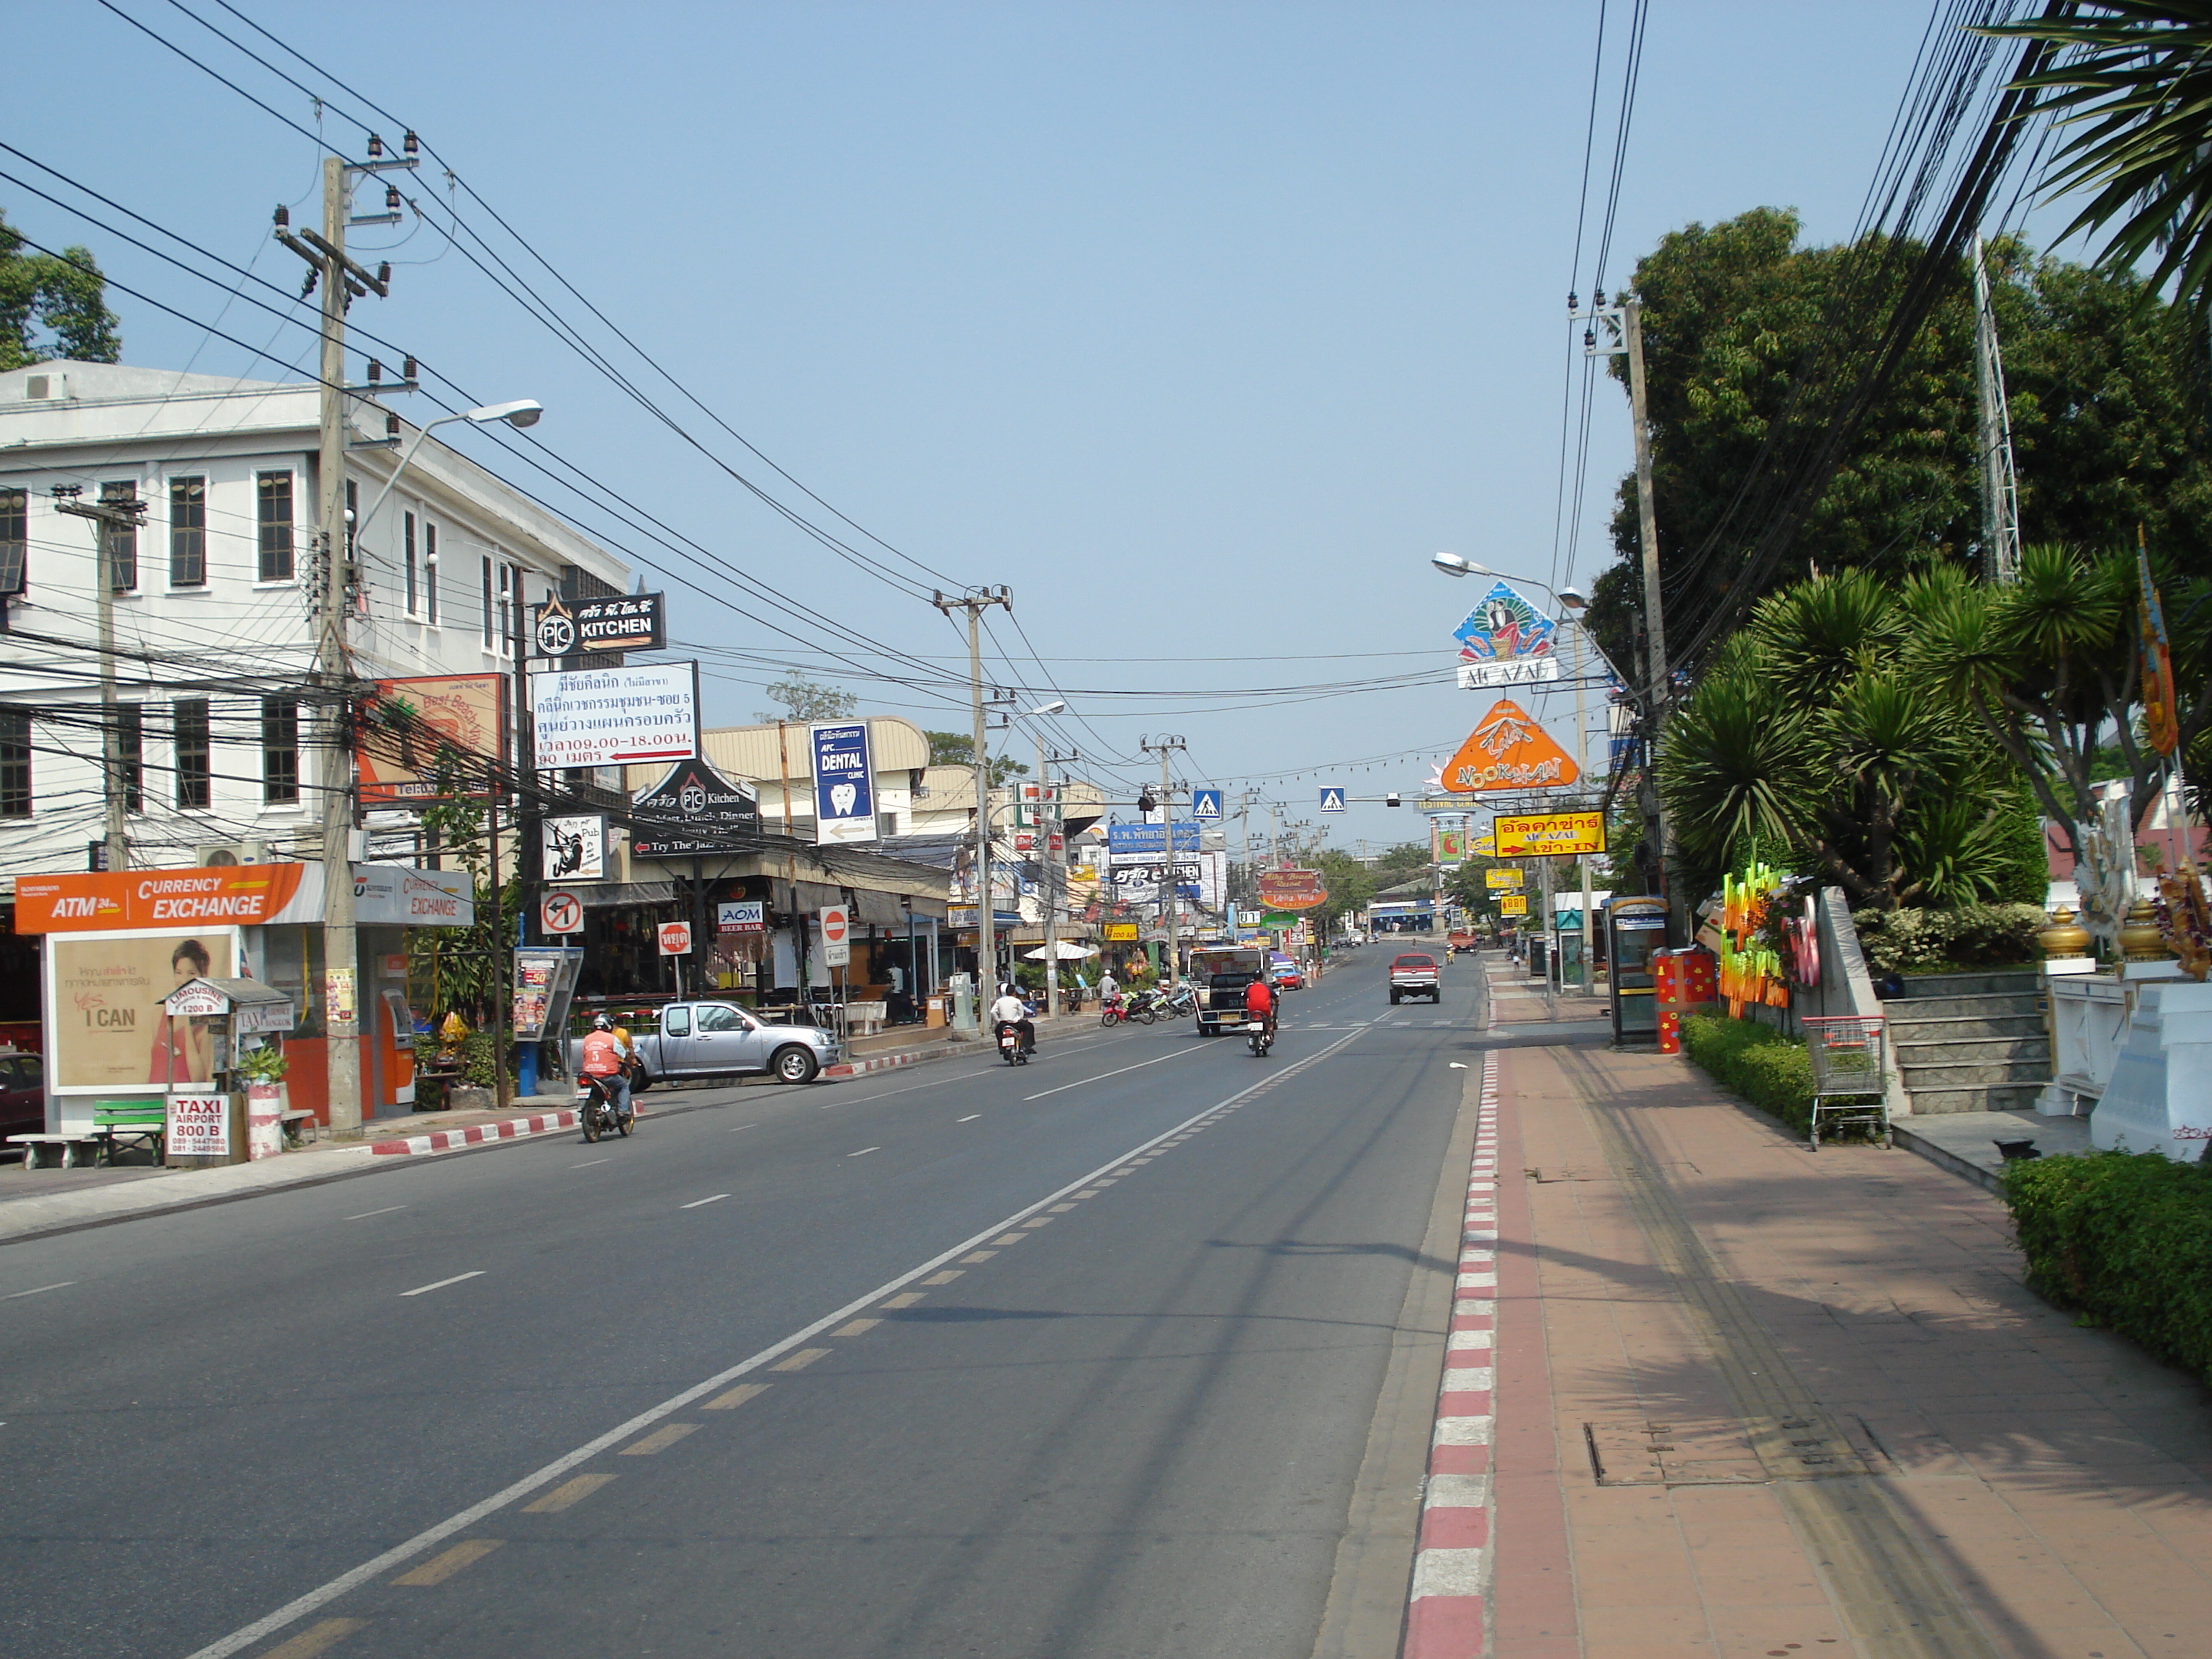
(1332, 800)
(1206, 803)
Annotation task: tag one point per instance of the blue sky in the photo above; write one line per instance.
(1201, 326)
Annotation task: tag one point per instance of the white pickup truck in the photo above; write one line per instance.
(1222, 972)
(720, 1039)
(1415, 976)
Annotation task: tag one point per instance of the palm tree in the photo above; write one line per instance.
(2132, 82)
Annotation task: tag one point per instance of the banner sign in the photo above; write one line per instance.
(1505, 641)
(844, 783)
(613, 716)
(231, 895)
(1139, 882)
(621, 622)
(1545, 834)
(412, 721)
(1498, 880)
(1452, 845)
(741, 916)
(1120, 929)
(695, 809)
(1509, 751)
(575, 847)
(1149, 840)
(1293, 890)
(393, 896)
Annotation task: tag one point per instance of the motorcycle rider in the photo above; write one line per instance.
(1260, 1002)
(1010, 1010)
(603, 1058)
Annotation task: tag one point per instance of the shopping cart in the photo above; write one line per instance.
(1848, 1084)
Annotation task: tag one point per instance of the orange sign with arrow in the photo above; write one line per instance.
(1509, 751)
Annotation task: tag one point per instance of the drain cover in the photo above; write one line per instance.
(1723, 1451)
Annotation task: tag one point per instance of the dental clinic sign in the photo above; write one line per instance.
(844, 783)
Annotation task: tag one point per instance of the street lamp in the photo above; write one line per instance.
(522, 412)
(1452, 564)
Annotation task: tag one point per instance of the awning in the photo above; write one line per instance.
(612, 894)
(882, 909)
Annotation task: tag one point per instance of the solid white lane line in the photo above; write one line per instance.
(743, 1127)
(696, 1202)
(864, 1151)
(422, 1290)
(39, 1290)
(970, 1118)
(1103, 1075)
(588, 1161)
(386, 1210)
(300, 1606)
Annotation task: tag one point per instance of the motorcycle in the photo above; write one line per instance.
(1110, 1013)
(595, 1110)
(1146, 1005)
(1009, 1045)
(1261, 1036)
(1181, 1002)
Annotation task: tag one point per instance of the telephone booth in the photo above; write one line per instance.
(1635, 931)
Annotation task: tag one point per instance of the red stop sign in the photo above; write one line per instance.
(675, 939)
(836, 923)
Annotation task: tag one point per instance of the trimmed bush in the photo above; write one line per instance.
(1927, 941)
(1770, 1071)
(2125, 1237)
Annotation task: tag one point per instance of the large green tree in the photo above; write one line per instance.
(2101, 383)
(53, 307)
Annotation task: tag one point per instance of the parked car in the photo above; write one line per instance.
(22, 1094)
(720, 1039)
(1415, 976)
(1285, 973)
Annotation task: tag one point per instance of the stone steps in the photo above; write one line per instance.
(1970, 1043)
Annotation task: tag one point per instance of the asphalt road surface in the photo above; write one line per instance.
(1077, 1358)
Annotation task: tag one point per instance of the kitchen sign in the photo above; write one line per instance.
(623, 622)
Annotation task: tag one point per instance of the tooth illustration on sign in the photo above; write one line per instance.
(842, 797)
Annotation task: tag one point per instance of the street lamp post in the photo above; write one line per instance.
(522, 412)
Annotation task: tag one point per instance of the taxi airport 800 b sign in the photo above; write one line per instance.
(1550, 834)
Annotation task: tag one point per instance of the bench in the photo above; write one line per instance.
(68, 1144)
(120, 1125)
(299, 1126)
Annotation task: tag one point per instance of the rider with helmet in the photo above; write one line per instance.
(603, 1060)
(1260, 1002)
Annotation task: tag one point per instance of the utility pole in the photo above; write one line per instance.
(2000, 486)
(342, 280)
(1174, 894)
(975, 601)
(110, 519)
(1048, 822)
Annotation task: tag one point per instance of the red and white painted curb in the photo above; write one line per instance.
(477, 1134)
(887, 1062)
(1451, 1564)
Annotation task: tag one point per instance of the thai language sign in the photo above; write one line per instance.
(624, 622)
(613, 716)
(1545, 835)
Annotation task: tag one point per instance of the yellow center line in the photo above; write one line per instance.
(660, 1440)
(856, 1327)
(1062, 1209)
(906, 1299)
(799, 1361)
(440, 1567)
(568, 1492)
(972, 1257)
(316, 1638)
(945, 1278)
(735, 1398)
(1005, 1239)
(1038, 1221)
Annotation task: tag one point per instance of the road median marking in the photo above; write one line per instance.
(439, 1568)
(945, 1278)
(318, 1637)
(39, 1290)
(439, 1285)
(864, 1151)
(907, 1299)
(365, 1214)
(799, 1361)
(322, 1595)
(857, 1328)
(736, 1397)
(567, 1495)
(696, 1202)
(660, 1440)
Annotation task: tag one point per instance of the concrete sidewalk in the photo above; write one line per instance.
(1755, 1401)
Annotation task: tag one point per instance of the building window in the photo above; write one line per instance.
(407, 536)
(188, 532)
(195, 760)
(15, 762)
(273, 519)
(487, 635)
(14, 541)
(131, 754)
(280, 751)
(430, 574)
(510, 608)
(120, 541)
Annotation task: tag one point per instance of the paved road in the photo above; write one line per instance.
(660, 1399)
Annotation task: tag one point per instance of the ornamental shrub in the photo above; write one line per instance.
(1931, 941)
(1770, 1071)
(2125, 1237)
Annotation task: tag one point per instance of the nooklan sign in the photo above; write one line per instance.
(1509, 751)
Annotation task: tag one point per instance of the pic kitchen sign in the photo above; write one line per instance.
(675, 939)
(583, 628)
(837, 935)
(1293, 890)
(1509, 751)
(1505, 641)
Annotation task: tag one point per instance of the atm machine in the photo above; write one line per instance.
(1634, 929)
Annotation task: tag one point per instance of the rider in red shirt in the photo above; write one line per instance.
(1259, 1001)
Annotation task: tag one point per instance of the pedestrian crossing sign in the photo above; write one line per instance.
(1332, 800)
(1206, 803)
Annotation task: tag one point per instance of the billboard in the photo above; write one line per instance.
(1293, 890)
(1505, 641)
(1502, 880)
(1544, 835)
(844, 783)
(412, 720)
(1509, 751)
(107, 1029)
(613, 716)
(101, 901)
(695, 809)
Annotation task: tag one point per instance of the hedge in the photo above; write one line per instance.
(2126, 1238)
(1770, 1071)
(1971, 936)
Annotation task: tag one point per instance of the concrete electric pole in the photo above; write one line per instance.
(975, 601)
(342, 281)
(1173, 893)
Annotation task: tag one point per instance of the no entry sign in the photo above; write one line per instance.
(675, 939)
(561, 913)
(836, 936)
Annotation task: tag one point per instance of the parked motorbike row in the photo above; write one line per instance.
(1142, 1007)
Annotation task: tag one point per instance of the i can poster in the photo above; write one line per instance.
(108, 1029)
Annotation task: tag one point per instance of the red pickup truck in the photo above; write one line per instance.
(1415, 976)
